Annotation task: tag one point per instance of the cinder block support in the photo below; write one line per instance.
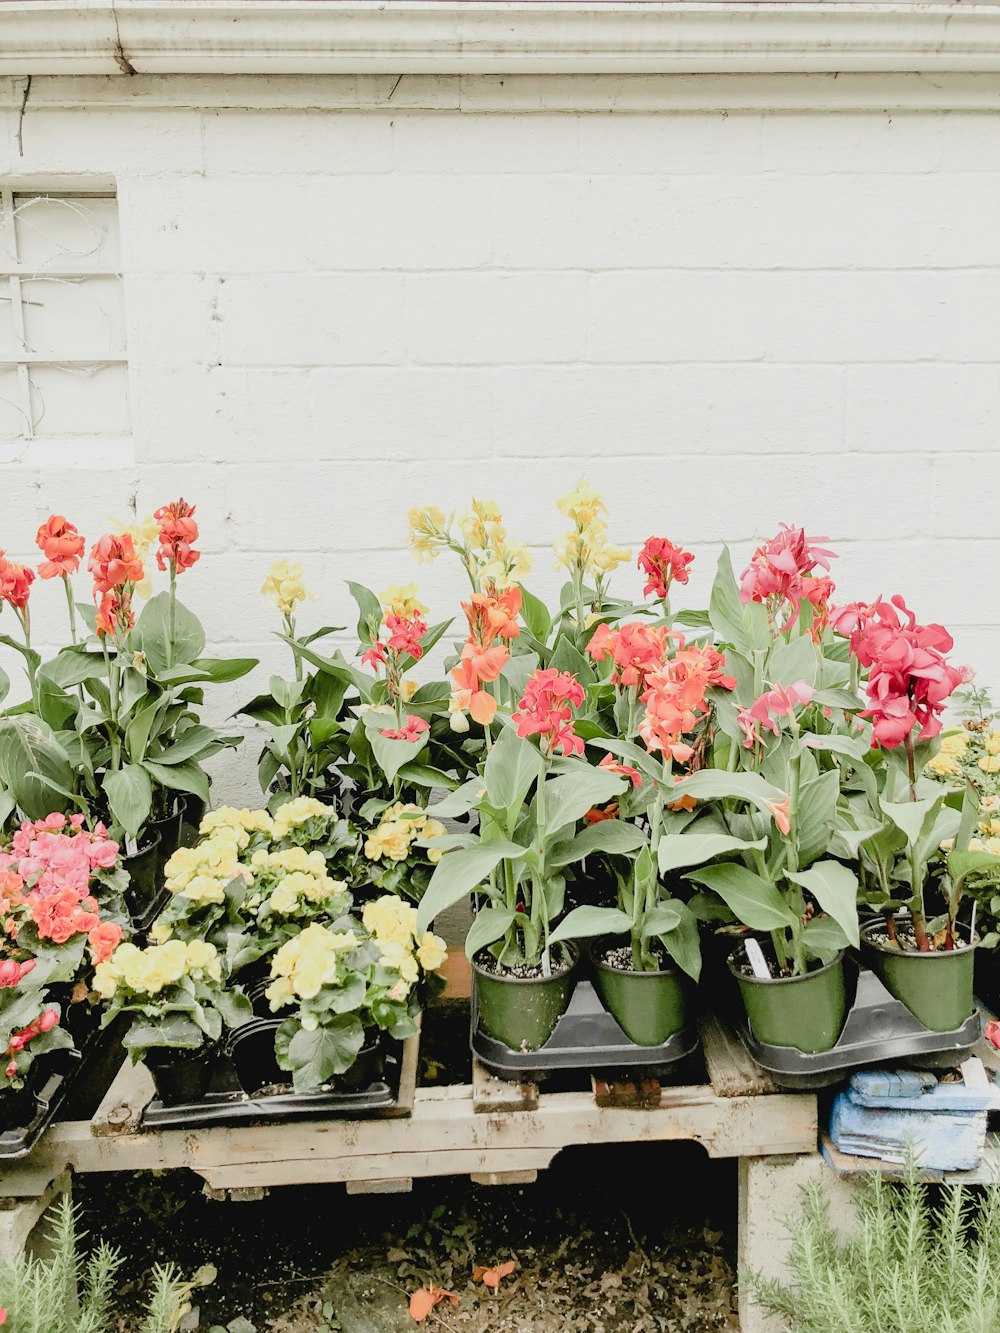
(770, 1190)
(21, 1220)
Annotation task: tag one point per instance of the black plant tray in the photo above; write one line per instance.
(226, 1103)
(586, 1038)
(879, 1030)
(65, 1085)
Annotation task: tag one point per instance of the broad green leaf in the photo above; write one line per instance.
(33, 765)
(460, 801)
(911, 817)
(824, 938)
(511, 767)
(752, 900)
(850, 747)
(586, 922)
(491, 924)
(611, 836)
(152, 632)
(316, 1057)
(4, 685)
(835, 888)
(713, 784)
(369, 612)
(458, 873)
(725, 610)
(695, 849)
(664, 918)
(569, 796)
(683, 941)
(72, 666)
(130, 796)
(179, 777)
(424, 775)
(838, 698)
(535, 615)
(188, 745)
(815, 816)
(391, 754)
(963, 864)
(793, 660)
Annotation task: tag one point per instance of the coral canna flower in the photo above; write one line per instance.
(62, 546)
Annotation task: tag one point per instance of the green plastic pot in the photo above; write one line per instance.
(522, 1012)
(649, 1007)
(807, 1013)
(937, 987)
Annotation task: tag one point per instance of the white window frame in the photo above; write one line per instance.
(13, 273)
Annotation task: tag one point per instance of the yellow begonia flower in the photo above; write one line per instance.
(284, 587)
(306, 963)
(992, 741)
(402, 600)
(389, 918)
(297, 812)
(396, 955)
(202, 873)
(241, 824)
(990, 763)
(432, 951)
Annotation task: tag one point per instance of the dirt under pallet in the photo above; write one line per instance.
(621, 1239)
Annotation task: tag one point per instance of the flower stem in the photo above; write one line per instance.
(172, 614)
(72, 608)
(916, 872)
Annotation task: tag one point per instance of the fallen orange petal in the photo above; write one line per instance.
(492, 1277)
(423, 1301)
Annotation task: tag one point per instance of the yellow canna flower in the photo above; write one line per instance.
(428, 531)
(402, 600)
(284, 587)
(582, 505)
(145, 533)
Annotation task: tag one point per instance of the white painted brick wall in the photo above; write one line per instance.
(723, 318)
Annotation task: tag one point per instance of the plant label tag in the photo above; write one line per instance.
(546, 964)
(756, 959)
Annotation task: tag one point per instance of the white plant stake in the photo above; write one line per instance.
(756, 959)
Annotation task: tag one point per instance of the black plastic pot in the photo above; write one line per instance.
(987, 978)
(194, 813)
(180, 1076)
(170, 829)
(143, 866)
(251, 1048)
(17, 1107)
(806, 1012)
(254, 980)
(367, 1068)
(522, 1012)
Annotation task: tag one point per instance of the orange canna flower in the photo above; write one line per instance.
(113, 563)
(15, 583)
(178, 533)
(62, 546)
(781, 810)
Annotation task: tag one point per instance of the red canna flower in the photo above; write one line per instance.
(663, 563)
(178, 533)
(62, 546)
(405, 633)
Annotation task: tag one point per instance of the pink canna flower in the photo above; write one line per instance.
(780, 571)
(779, 702)
(633, 774)
(405, 633)
(909, 679)
(781, 811)
(546, 710)
(412, 731)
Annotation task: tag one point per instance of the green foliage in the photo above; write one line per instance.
(69, 1294)
(914, 1266)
